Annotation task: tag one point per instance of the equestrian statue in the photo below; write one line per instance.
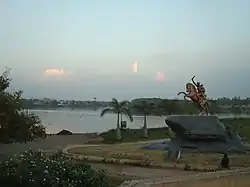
(195, 91)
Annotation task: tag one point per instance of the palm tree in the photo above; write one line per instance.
(118, 108)
(146, 109)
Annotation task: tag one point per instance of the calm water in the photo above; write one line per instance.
(89, 121)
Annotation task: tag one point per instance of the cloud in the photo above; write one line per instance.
(54, 72)
(135, 67)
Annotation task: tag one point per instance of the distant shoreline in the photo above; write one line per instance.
(38, 108)
(245, 115)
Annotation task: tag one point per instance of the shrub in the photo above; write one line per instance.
(37, 169)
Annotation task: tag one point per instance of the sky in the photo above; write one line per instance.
(81, 49)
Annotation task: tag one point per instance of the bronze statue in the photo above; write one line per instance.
(196, 92)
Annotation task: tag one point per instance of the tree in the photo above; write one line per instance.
(15, 124)
(169, 107)
(118, 108)
(146, 108)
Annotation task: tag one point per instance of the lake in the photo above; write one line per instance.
(79, 121)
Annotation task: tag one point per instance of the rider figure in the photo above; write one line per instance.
(200, 88)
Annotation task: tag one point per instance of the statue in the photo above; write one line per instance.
(196, 92)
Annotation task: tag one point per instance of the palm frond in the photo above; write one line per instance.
(126, 112)
(114, 104)
(106, 110)
(124, 104)
(114, 101)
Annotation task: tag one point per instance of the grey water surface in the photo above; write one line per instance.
(80, 121)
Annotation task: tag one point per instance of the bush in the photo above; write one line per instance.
(37, 169)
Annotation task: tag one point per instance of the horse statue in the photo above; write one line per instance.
(197, 97)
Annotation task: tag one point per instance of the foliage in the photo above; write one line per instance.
(146, 108)
(37, 169)
(133, 135)
(16, 124)
(174, 106)
(167, 107)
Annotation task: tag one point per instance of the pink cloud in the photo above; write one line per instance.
(160, 77)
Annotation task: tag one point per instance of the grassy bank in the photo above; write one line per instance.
(133, 135)
(241, 125)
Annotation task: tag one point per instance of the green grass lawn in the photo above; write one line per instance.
(133, 135)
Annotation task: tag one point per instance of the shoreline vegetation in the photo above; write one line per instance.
(224, 105)
(227, 115)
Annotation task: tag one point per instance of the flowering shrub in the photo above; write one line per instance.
(36, 169)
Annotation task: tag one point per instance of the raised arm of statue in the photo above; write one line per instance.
(194, 81)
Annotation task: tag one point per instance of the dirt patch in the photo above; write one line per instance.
(132, 172)
(120, 151)
(206, 181)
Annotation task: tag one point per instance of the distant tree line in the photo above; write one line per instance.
(234, 105)
(170, 106)
(55, 104)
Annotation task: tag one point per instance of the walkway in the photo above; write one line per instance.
(55, 143)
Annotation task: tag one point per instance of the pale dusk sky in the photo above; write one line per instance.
(80, 49)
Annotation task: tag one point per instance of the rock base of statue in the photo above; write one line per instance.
(201, 134)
